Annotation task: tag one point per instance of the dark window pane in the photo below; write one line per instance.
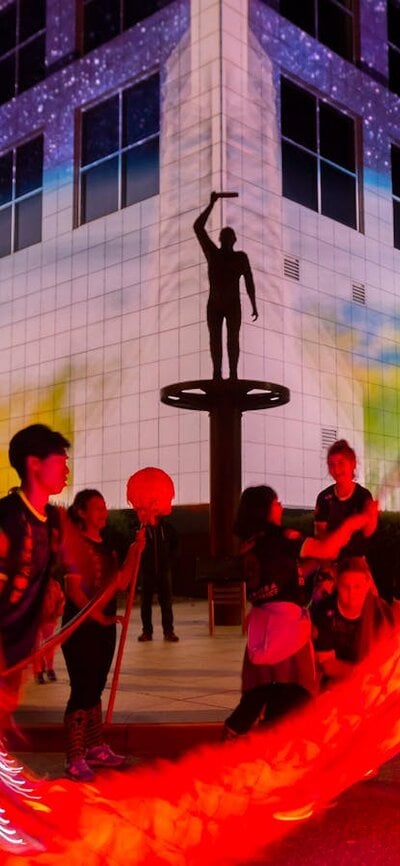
(337, 136)
(338, 195)
(8, 19)
(335, 28)
(100, 131)
(299, 176)
(396, 224)
(393, 18)
(394, 70)
(396, 171)
(99, 190)
(142, 110)
(137, 10)
(141, 172)
(32, 67)
(301, 12)
(298, 114)
(6, 177)
(101, 22)
(28, 222)
(29, 166)
(7, 79)
(32, 18)
(5, 231)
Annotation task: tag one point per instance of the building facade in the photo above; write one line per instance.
(117, 119)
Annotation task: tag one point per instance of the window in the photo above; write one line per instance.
(21, 182)
(22, 46)
(318, 155)
(104, 19)
(333, 22)
(119, 162)
(396, 195)
(393, 28)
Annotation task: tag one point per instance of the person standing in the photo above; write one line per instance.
(29, 537)
(156, 577)
(344, 498)
(225, 268)
(89, 652)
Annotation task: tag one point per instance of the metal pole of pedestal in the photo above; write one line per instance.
(225, 472)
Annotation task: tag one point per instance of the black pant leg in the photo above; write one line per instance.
(146, 601)
(248, 710)
(165, 602)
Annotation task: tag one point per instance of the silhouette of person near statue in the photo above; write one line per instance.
(225, 268)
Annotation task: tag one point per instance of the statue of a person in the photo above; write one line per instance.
(225, 267)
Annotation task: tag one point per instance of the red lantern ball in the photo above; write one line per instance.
(150, 491)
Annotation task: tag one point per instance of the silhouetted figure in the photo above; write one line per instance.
(225, 267)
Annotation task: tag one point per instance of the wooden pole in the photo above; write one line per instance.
(122, 641)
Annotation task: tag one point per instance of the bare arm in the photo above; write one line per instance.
(372, 521)
(250, 287)
(75, 593)
(329, 547)
(199, 226)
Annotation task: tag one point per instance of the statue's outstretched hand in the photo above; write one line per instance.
(254, 315)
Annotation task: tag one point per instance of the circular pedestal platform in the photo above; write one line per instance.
(207, 394)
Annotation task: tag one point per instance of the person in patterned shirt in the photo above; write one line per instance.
(29, 535)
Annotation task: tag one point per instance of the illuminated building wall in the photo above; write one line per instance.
(113, 132)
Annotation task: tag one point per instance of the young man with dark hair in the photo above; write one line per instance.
(29, 533)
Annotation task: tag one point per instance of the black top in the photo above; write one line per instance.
(269, 563)
(27, 569)
(351, 639)
(336, 632)
(333, 511)
(161, 547)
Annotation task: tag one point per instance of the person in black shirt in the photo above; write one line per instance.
(156, 577)
(270, 554)
(348, 624)
(342, 499)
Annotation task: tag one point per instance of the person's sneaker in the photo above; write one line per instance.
(103, 756)
(51, 676)
(171, 637)
(78, 770)
(145, 636)
(39, 679)
(300, 814)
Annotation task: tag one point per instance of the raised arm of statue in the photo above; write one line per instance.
(202, 235)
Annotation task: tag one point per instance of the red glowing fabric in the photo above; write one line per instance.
(223, 805)
(150, 491)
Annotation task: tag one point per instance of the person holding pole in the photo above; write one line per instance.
(89, 652)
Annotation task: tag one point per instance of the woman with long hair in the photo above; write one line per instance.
(89, 652)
